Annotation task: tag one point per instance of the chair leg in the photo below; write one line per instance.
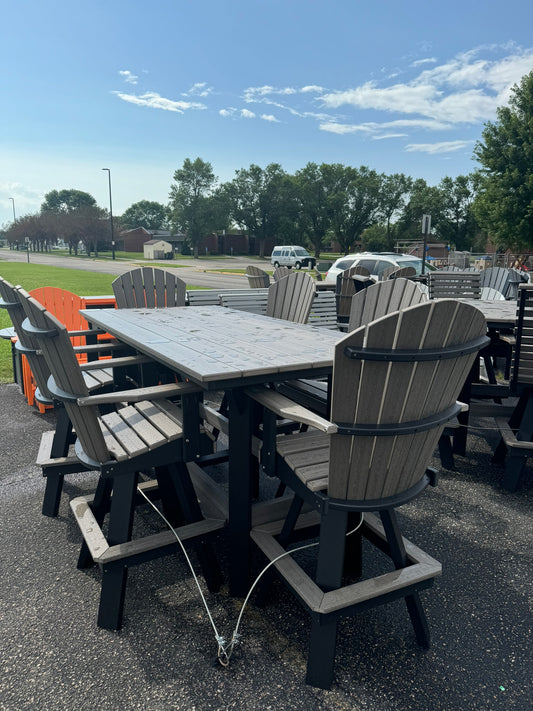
(331, 549)
(321, 657)
(400, 560)
(181, 479)
(114, 576)
(52, 495)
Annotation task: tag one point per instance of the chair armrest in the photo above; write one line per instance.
(289, 410)
(88, 332)
(156, 392)
(115, 362)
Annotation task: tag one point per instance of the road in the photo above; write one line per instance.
(195, 272)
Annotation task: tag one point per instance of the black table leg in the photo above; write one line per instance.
(240, 490)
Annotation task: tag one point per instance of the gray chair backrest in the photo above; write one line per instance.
(291, 298)
(383, 298)
(393, 405)
(257, 278)
(346, 286)
(27, 344)
(60, 357)
(149, 287)
(280, 272)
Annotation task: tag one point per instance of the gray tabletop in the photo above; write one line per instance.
(498, 313)
(212, 345)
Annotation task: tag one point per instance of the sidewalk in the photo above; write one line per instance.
(53, 656)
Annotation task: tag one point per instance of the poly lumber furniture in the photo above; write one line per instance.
(395, 386)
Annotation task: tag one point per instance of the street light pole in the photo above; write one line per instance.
(111, 212)
(14, 216)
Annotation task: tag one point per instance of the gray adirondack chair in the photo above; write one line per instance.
(144, 432)
(280, 272)
(150, 287)
(349, 282)
(291, 297)
(395, 385)
(53, 457)
(257, 278)
(516, 443)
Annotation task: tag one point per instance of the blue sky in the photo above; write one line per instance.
(137, 87)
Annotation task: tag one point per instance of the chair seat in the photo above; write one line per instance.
(307, 453)
(140, 427)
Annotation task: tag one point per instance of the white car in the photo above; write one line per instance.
(375, 262)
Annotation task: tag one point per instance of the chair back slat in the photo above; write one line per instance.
(57, 349)
(291, 298)
(383, 298)
(380, 392)
(149, 287)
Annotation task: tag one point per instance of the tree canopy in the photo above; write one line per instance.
(146, 213)
(504, 205)
(192, 202)
(65, 201)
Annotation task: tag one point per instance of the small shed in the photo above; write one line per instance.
(158, 249)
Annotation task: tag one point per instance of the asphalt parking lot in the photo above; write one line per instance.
(54, 657)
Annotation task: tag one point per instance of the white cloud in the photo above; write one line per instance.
(428, 60)
(270, 117)
(343, 128)
(155, 101)
(432, 148)
(245, 113)
(466, 89)
(128, 77)
(389, 135)
(199, 89)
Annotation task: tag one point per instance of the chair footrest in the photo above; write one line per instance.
(56, 465)
(420, 572)
(510, 439)
(214, 508)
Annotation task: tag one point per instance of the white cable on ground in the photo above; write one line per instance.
(225, 649)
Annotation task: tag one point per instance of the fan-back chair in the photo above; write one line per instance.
(144, 432)
(349, 282)
(53, 457)
(291, 297)
(395, 385)
(149, 287)
(257, 278)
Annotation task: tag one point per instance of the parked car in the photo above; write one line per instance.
(291, 256)
(376, 263)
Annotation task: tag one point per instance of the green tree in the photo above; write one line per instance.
(313, 191)
(146, 213)
(66, 201)
(394, 192)
(262, 201)
(192, 202)
(354, 202)
(458, 225)
(423, 199)
(505, 202)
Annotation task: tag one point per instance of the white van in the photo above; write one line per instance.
(291, 256)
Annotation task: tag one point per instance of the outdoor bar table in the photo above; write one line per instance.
(222, 349)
